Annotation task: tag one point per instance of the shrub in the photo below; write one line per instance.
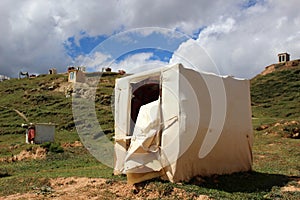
(52, 147)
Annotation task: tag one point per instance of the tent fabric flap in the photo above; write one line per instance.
(143, 155)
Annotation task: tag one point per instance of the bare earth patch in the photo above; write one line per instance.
(98, 188)
(36, 153)
(292, 188)
(75, 144)
(62, 86)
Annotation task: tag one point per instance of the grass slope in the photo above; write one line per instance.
(277, 95)
(276, 159)
(37, 99)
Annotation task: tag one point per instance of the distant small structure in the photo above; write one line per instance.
(3, 78)
(81, 68)
(283, 57)
(75, 74)
(39, 133)
(108, 69)
(23, 74)
(52, 71)
(121, 72)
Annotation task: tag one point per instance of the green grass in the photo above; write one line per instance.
(33, 98)
(275, 97)
(74, 162)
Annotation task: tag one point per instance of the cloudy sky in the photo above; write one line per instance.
(232, 37)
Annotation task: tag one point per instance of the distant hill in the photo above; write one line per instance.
(276, 94)
(43, 99)
(281, 66)
(37, 99)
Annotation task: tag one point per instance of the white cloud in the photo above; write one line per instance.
(216, 30)
(34, 31)
(94, 62)
(131, 64)
(244, 43)
(193, 56)
(186, 15)
(240, 40)
(137, 63)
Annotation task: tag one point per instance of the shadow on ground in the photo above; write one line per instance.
(246, 182)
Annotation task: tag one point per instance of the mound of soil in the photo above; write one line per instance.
(75, 144)
(98, 188)
(292, 188)
(35, 153)
(288, 129)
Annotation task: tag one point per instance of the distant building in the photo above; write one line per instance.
(81, 68)
(108, 69)
(75, 74)
(3, 78)
(284, 62)
(283, 57)
(52, 71)
(121, 72)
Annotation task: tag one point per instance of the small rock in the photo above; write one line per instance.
(203, 197)
(262, 127)
(296, 135)
(277, 124)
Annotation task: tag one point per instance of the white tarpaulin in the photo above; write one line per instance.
(178, 123)
(143, 153)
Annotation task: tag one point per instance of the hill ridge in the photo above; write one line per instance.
(280, 66)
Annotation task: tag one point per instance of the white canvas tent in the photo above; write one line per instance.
(178, 123)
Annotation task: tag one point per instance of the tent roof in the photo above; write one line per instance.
(142, 75)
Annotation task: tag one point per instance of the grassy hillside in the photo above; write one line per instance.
(37, 99)
(275, 97)
(43, 99)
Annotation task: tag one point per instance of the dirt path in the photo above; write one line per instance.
(98, 188)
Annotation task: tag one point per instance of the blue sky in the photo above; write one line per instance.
(249, 3)
(240, 37)
(82, 47)
(160, 45)
(158, 54)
